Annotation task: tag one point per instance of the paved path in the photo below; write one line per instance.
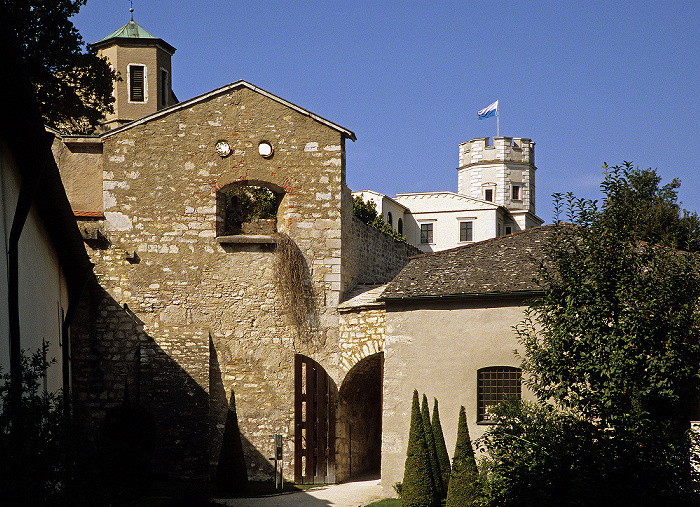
(349, 494)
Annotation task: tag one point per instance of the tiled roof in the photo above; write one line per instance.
(499, 266)
(362, 296)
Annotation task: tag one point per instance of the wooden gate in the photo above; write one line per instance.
(314, 422)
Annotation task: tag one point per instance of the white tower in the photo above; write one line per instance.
(502, 173)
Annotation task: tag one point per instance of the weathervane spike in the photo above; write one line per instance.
(131, 9)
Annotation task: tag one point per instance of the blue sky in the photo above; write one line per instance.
(589, 82)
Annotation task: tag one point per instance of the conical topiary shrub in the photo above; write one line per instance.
(417, 488)
(440, 447)
(463, 488)
(231, 473)
(440, 490)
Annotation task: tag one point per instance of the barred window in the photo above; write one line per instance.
(495, 384)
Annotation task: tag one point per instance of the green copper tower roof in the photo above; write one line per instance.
(133, 33)
(131, 30)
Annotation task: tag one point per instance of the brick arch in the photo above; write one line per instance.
(222, 202)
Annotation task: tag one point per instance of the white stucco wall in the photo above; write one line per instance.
(42, 289)
(438, 350)
(445, 210)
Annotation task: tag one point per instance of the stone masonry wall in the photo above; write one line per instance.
(206, 317)
(373, 256)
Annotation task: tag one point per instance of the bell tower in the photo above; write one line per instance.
(143, 63)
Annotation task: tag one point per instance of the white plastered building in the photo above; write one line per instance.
(496, 196)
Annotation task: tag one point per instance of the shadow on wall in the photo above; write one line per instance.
(111, 352)
(360, 419)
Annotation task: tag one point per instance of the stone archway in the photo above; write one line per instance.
(359, 426)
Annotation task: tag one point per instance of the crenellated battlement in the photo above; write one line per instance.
(503, 149)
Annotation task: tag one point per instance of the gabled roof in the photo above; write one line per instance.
(218, 91)
(502, 266)
(132, 32)
(448, 201)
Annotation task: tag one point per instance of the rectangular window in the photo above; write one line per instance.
(494, 385)
(426, 233)
(136, 83)
(465, 231)
(488, 194)
(164, 88)
(509, 229)
(516, 193)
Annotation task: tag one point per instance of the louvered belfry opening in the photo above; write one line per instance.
(136, 93)
(315, 405)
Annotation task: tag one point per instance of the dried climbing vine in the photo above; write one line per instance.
(294, 285)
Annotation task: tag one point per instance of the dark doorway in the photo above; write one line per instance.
(360, 419)
(315, 396)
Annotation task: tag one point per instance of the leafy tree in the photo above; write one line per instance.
(432, 450)
(231, 473)
(615, 340)
(73, 86)
(367, 213)
(440, 447)
(653, 211)
(418, 489)
(463, 489)
(536, 456)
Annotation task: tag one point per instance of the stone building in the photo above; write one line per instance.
(193, 298)
(495, 196)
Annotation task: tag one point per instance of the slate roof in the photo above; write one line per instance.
(501, 266)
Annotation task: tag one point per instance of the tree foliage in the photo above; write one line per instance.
(653, 210)
(367, 213)
(615, 339)
(418, 489)
(73, 85)
(463, 489)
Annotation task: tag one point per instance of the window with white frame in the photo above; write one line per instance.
(137, 83)
(426, 233)
(515, 193)
(466, 231)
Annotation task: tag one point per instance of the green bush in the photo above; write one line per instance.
(463, 489)
(440, 490)
(441, 447)
(367, 213)
(418, 488)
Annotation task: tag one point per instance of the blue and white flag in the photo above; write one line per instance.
(488, 112)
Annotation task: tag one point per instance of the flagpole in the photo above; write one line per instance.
(498, 128)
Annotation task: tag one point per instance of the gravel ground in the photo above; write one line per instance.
(350, 494)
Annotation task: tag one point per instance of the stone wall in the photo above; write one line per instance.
(200, 316)
(373, 256)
